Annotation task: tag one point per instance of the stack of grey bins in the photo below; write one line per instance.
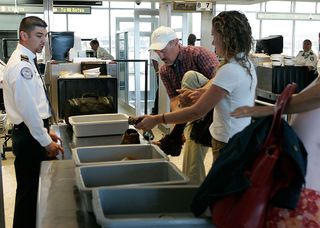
(132, 185)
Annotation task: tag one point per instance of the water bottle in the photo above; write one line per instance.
(147, 135)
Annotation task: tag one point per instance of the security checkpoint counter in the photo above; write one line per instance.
(59, 203)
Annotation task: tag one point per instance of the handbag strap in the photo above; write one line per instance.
(279, 107)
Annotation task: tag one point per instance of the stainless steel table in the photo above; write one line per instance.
(59, 203)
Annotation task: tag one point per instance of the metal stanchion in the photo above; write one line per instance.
(2, 222)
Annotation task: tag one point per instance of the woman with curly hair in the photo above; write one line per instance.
(233, 86)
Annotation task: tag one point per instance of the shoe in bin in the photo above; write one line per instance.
(131, 136)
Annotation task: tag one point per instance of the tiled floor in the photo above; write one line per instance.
(9, 187)
(9, 183)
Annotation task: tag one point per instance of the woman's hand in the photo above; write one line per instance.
(255, 111)
(148, 122)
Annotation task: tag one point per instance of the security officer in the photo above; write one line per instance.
(29, 110)
(306, 57)
(100, 52)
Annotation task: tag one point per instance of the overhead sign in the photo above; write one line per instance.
(57, 10)
(72, 10)
(184, 6)
(204, 6)
(190, 6)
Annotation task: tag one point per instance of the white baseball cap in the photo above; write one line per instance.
(161, 37)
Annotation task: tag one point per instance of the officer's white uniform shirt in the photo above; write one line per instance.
(24, 95)
(307, 59)
(103, 54)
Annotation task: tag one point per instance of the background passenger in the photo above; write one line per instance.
(307, 126)
(179, 61)
(192, 39)
(233, 85)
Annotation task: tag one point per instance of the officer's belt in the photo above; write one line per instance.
(23, 125)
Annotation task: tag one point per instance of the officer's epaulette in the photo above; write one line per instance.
(311, 53)
(24, 58)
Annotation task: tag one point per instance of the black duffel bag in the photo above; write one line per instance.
(89, 104)
(200, 130)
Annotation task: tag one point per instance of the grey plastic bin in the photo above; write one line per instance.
(129, 174)
(99, 124)
(100, 140)
(147, 206)
(117, 154)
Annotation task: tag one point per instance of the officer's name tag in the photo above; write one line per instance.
(26, 72)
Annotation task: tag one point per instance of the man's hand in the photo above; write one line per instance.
(54, 136)
(53, 149)
(188, 97)
(184, 100)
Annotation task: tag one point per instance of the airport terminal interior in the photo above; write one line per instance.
(69, 66)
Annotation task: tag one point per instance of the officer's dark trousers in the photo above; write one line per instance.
(29, 154)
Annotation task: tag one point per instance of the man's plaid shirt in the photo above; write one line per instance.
(195, 58)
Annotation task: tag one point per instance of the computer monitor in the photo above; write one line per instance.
(8, 45)
(270, 45)
(60, 44)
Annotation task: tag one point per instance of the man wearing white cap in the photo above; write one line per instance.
(184, 67)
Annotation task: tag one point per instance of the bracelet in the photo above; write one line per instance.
(163, 119)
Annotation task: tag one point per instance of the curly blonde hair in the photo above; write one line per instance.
(235, 31)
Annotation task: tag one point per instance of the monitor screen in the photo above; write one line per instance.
(270, 45)
(60, 44)
(9, 45)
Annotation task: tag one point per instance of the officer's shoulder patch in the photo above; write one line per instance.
(26, 72)
(24, 58)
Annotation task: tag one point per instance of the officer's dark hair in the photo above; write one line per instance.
(29, 23)
(94, 42)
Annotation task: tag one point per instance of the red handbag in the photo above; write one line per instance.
(248, 208)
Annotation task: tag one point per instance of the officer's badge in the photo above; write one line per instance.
(312, 58)
(26, 72)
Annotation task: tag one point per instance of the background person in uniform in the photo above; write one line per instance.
(233, 85)
(307, 57)
(29, 110)
(100, 52)
(192, 39)
(182, 63)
